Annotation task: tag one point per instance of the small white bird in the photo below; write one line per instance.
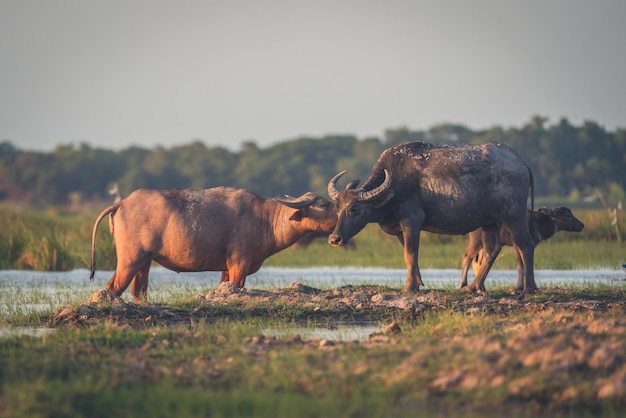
(115, 191)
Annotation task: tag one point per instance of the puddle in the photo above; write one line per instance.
(9, 332)
(338, 333)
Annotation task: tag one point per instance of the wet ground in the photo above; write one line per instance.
(336, 303)
(164, 282)
(364, 305)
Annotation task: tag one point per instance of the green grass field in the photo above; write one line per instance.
(557, 353)
(565, 251)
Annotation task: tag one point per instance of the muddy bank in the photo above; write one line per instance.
(348, 304)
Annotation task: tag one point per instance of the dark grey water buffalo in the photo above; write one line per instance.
(220, 229)
(452, 189)
(486, 243)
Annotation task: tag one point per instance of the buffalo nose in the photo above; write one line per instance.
(334, 239)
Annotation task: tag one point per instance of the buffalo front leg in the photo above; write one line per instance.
(411, 248)
(473, 250)
(225, 277)
(482, 269)
(491, 247)
(465, 263)
(237, 273)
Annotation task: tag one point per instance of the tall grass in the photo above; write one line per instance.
(53, 240)
(57, 240)
(565, 251)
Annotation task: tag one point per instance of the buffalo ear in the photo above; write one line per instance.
(382, 199)
(297, 216)
(352, 185)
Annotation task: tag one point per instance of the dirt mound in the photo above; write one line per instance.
(299, 302)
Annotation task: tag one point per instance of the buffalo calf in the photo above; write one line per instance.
(486, 243)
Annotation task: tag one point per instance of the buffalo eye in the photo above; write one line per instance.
(353, 211)
(323, 204)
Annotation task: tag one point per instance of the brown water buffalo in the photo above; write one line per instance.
(450, 189)
(220, 229)
(486, 243)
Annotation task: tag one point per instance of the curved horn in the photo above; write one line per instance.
(370, 194)
(332, 185)
(295, 204)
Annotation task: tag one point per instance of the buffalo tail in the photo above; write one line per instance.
(111, 209)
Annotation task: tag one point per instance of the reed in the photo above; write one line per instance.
(52, 240)
(57, 240)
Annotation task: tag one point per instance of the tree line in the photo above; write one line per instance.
(566, 160)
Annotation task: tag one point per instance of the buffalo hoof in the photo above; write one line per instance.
(474, 288)
(522, 293)
(102, 296)
(228, 288)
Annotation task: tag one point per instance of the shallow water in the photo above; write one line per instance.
(163, 281)
(8, 331)
(346, 332)
(35, 291)
(356, 332)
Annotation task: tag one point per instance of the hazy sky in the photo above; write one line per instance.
(116, 73)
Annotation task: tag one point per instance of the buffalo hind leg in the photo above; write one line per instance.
(525, 250)
(525, 271)
(117, 285)
(139, 285)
